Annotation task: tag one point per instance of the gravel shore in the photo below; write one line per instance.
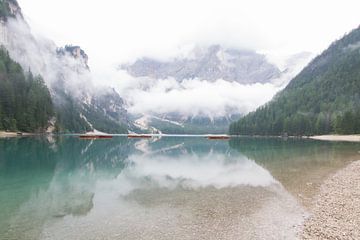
(336, 214)
(14, 134)
(7, 134)
(341, 138)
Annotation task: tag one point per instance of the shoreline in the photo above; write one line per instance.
(336, 212)
(340, 138)
(7, 134)
(4, 134)
(330, 137)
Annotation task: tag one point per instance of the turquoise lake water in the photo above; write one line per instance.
(161, 188)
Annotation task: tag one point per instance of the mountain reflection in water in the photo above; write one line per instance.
(168, 188)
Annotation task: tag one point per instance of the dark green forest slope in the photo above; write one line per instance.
(323, 98)
(27, 106)
(25, 101)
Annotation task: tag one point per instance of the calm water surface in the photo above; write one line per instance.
(168, 188)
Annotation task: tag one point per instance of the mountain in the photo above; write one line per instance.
(76, 52)
(225, 75)
(323, 98)
(173, 123)
(79, 104)
(86, 108)
(211, 63)
(9, 8)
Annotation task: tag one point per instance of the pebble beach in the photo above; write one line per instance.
(336, 212)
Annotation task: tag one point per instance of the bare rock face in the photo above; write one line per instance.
(14, 8)
(75, 52)
(9, 8)
(212, 63)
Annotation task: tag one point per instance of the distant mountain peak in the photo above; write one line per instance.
(211, 63)
(74, 51)
(9, 8)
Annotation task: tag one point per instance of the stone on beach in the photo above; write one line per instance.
(336, 214)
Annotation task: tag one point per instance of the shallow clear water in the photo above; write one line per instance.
(168, 188)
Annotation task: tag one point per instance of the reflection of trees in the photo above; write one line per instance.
(92, 157)
(274, 151)
(300, 165)
(46, 181)
(26, 167)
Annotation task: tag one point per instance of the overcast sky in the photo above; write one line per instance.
(113, 31)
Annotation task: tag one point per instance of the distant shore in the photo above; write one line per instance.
(336, 213)
(7, 134)
(13, 134)
(345, 138)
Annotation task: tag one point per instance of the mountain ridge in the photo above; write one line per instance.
(210, 63)
(80, 106)
(323, 98)
(206, 67)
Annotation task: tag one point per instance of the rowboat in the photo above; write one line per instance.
(218, 137)
(89, 136)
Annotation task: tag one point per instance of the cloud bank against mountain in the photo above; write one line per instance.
(210, 63)
(207, 89)
(80, 106)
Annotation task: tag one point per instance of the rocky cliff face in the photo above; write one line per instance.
(81, 106)
(97, 108)
(211, 63)
(9, 8)
(75, 52)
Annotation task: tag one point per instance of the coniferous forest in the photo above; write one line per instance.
(324, 98)
(25, 101)
(26, 104)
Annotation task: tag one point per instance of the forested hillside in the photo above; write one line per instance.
(25, 101)
(323, 98)
(73, 117)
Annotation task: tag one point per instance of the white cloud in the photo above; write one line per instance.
(197, 97)
(114, 31)
(189, 97)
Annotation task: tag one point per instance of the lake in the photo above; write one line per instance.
(161, 188)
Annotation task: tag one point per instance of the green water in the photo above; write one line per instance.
(168, 188)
